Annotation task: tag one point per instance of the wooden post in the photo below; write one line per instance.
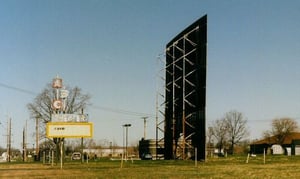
(248, 158)
(264, 156)
(122, 159)
(49, 157)
(61, 153)
(52, 158)
(44, 157)
(82, 158)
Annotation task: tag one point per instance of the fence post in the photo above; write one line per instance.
(196, 163)
(264, 156)
(248, 158)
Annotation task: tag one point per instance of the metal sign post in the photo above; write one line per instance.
(61, 153)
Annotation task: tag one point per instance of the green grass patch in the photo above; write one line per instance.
(230, 167)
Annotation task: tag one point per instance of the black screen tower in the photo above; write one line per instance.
(185, 100)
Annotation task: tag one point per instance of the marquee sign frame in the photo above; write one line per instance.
(69, 130)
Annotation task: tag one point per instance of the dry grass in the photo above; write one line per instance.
(231, 167)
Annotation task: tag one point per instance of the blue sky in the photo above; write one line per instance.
(110, 48)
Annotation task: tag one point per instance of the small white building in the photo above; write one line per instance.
(277, 149)
(104, 152)
(3, 157)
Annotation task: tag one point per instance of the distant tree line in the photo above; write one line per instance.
(232, 130)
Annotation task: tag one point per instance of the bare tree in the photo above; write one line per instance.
(210, 141)
(281, 128)
(76, 101)
(210, 134)
(219, 131)
(41, 107)
(236, 126)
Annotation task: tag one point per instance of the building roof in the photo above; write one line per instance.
(272, 140)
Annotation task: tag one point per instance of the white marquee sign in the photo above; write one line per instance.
(69, 129)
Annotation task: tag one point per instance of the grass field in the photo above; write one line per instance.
(230, 167)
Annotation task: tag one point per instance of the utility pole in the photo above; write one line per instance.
(126, 143)
(24, 145)
(82, 158)
(24, 142)
(37, 152)
(8, 139)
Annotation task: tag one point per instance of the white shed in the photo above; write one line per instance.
(277, 149)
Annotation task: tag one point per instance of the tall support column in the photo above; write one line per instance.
(183, 100)
(174, 140)
(160, 104)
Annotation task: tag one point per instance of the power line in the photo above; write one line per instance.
(18, 89)
(114, 110)
(121, 111)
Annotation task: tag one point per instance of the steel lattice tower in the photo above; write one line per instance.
(185, 92)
